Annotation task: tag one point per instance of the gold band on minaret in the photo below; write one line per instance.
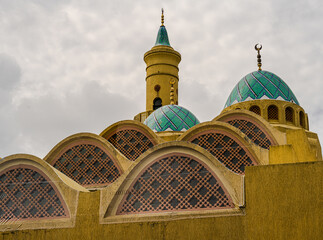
(162, 17)
(258, 47)
(172, 82)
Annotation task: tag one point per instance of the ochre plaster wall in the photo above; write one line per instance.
(284, 201)
(88, 227)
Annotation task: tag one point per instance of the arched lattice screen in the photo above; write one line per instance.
(88, 165)
(253, 132)
(289, 114)
(131, 143)
(227, 150)
(175, 182)
(255, 109)
(27, 194)
(302, 119)
(272, 112)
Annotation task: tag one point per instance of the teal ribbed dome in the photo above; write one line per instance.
(162, 37)
(261, 85)
(171, 118)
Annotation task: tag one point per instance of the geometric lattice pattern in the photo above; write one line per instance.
(252, 131)
(261, 85)
(255, 109)
(26, 194)
(226, 150)
(173, 183)
(289, 114)
(130, 143)
(88, 165)
(171, 118)
(272, 112)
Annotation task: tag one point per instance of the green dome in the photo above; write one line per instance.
(261, 85)
(162, 37)
(171, 118)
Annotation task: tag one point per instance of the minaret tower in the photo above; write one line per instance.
(162, 67)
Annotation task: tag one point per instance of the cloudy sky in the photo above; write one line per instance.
(69, 66)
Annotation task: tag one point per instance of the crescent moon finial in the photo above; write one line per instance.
(258, 47)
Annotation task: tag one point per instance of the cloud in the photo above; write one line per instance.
(77, 65)
(42, 122)
(10, 72)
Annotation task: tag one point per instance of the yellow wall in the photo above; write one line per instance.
(298, 149)
(282, 202)
(88, 227)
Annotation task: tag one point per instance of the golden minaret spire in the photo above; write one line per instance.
(172, 82)
(162, 17)
(258, 47)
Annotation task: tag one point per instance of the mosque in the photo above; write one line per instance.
(252, 172)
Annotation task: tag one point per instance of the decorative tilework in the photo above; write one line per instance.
(261, 85)
(171, 118)
(162, 37)
(27, 194)
(228, 151)
(131, 143)
(173, 183)
(88, 165)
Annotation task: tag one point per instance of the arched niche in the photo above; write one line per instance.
(257, 129)
(289, 115)
(34, 195)
(272, 113)
(88, 159)
(181, 179)
(226, 143)
(131, 138)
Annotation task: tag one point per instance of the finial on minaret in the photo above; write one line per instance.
(162, 17)
(258, 47)
(172, 82)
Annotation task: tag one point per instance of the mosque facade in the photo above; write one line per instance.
(252, 172)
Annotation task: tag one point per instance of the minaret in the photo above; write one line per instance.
(162, 67)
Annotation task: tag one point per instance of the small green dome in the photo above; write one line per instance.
(261, 85)
(171, 118)
(162, 37)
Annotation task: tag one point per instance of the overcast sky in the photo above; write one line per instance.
(70, 66)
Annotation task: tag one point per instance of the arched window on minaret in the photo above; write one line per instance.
(157, 103)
